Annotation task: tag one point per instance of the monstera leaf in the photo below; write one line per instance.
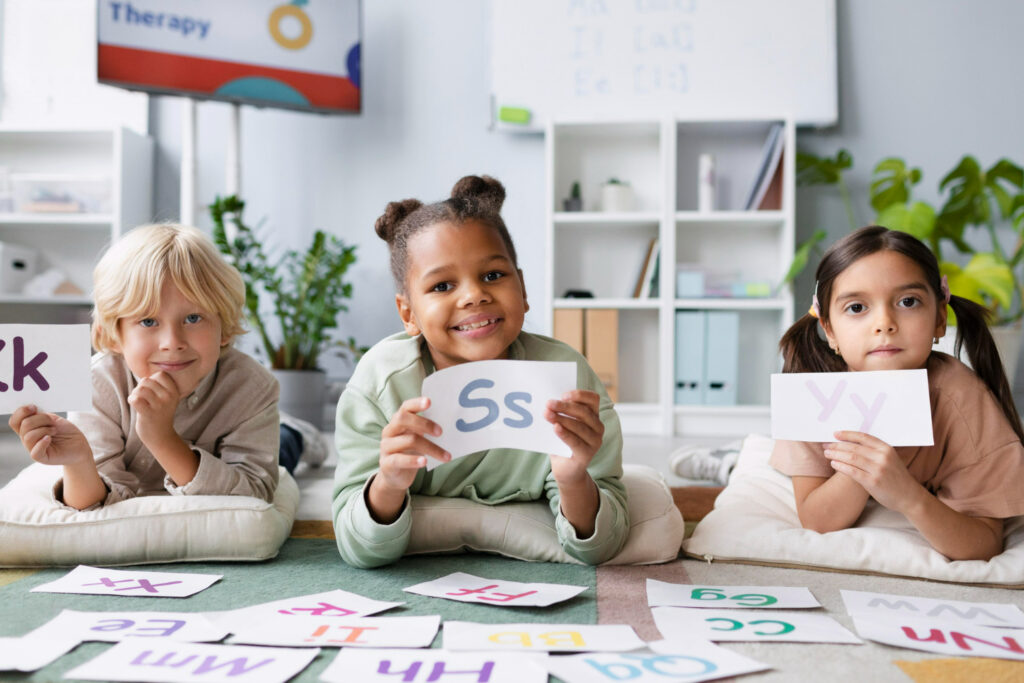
(918, 219)
(984, 280)
(892, 184)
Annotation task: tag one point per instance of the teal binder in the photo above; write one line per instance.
(722, 358)
(689, 361)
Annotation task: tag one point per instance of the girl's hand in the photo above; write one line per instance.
(874, 465)
(578, 423)
(404, 446)
(155, 399)
(49, 438)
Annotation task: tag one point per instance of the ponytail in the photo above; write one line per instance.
(972, 331)
(804, 351)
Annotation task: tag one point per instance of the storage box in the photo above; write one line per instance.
(55, 193)
(17, 266)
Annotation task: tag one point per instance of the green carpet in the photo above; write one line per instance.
(304, 566)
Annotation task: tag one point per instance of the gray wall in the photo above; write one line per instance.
(928, 80)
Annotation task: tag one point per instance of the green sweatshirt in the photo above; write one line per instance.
(392, 372)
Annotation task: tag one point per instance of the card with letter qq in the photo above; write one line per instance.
(45, 365)
(497, 404)
(892, 405)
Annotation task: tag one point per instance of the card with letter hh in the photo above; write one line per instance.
(497, 404)
(45, 365)
(892, 405)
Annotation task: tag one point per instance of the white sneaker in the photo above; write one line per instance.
(703, 463)
(314, 449)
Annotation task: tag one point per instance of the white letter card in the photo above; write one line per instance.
(45, 365)
(292, 631)
(662, 594)
(112, 627)
(469, 588)
(391, 666)
(891, 405)
(99, 581)
(942, 637)
(167, 662)
(722, 625)
(883, 606)
(497, 404)
(466, 635)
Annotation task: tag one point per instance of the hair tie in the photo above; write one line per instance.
(815, 309)
(944, 288)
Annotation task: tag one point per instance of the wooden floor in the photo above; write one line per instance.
(695, 501)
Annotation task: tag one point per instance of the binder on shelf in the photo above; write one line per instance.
(648, 272)
(721, 363)
(689, 373)
(769, 163)
(568, 327)
(601, 342)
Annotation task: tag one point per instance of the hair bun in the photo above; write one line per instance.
(484, 189)
(393, 215)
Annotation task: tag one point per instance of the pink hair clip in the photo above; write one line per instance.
(815, 309)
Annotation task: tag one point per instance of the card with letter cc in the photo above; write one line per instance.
(45, 365)
(497, 404)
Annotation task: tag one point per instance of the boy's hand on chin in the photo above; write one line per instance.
(49, 438)
(577, 421)
(155, 399)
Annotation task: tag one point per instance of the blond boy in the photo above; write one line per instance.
(175, 408)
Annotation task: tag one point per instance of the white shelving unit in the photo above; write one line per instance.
(72, 242)
(604, 253)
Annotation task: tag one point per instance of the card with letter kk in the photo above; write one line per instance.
(45, 365)
(892, 405)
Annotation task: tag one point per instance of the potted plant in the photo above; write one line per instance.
(574, 202)
(305, 291)
(977, 204)
(616, 195)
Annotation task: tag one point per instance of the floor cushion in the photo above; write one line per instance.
(37, 531)
(755, 521)
(526, 531)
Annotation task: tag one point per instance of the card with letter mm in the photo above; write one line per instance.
(892, 405)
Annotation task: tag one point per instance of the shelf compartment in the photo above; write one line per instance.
(608, 218)
(730, 247)
(736, 147)
(593, 153)
(635, 304)
(86, 220)
(605, 262)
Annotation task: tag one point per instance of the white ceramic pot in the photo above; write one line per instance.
(616, 197)
(303, 393)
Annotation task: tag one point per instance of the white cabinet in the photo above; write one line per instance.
(66, 194)
(741, 256)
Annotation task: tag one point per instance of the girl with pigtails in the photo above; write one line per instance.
(880, 303)
(461, 298)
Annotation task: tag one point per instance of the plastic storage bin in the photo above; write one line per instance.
(53, 193)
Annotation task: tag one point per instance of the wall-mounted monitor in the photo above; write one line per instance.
(302, 54)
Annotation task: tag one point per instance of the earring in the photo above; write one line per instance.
(935, 340)
(836, 349)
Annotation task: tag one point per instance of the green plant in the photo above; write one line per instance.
(574, 193)
(973, 199)
(306, 290)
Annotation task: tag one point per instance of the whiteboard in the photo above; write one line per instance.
(581, 59)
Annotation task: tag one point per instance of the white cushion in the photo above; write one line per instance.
(38, 531)
(755, 521)
(526, 531)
